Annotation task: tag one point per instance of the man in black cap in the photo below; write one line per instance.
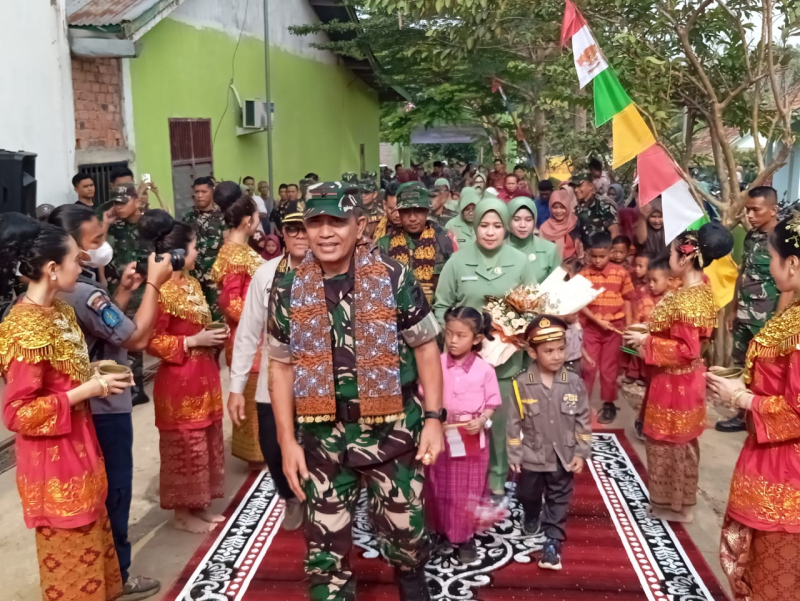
(350, 335)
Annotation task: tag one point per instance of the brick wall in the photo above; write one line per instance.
(97, 86)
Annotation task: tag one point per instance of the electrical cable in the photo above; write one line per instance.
(233, 73)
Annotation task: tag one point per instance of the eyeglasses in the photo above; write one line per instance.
(293, 230)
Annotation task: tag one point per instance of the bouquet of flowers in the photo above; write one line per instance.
(512, 313)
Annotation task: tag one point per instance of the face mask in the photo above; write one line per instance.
(100, 257)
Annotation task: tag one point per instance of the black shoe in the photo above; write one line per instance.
(638, 427)
(531, 526)
(140, 399)
(734, 424)
(551, 555)
(468, 552)
(413, 585)
(607, 414)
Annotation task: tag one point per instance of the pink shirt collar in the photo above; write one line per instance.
(466, 365)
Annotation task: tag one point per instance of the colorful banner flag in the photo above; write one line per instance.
(609, 97)
(680, 209)
(722, 275)
(589, 60)
(630, 135)
(657, 172)
(573, 22)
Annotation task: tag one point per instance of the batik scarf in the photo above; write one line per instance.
(374, 313)
(422, 260)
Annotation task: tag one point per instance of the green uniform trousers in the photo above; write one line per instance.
(498, 453)
(394, 492)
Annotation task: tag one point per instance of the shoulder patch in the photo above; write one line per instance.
(100, 303)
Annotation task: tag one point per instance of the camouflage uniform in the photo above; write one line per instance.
(758, 294)
(210, 227)
(374, 212)
(596, 215)
(340, 455)
(442, 218)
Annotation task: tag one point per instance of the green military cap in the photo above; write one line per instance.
(369, 175)
(413, 195)
(330, 198)
(368, 185)
(350, 177)
(580, 177)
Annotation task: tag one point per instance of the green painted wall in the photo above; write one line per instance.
(323, 112)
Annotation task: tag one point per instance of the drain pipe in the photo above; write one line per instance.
(267, 74)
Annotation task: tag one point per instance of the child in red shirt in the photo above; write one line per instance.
(659, 278)
(632, 366)
(604, 319)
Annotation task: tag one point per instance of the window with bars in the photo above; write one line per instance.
(192, 157)
(101, 174)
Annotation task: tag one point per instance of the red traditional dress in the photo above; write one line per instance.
(676, 404)
(233, 270)
(760, 549)
(188, 400)
(60, 470)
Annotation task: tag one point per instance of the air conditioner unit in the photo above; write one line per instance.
(254, 114)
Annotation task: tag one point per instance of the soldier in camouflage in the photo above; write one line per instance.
(373, 209)
(440, 196)
(209, 223)
(123, 235)
(341, 449)
(421, 244)
(757, 297)
(595, 213)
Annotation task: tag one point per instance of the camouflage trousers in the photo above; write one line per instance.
(394, 492)
(742, 335)
(211, 294)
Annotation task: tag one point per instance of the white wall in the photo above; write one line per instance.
(229, 16)
(36, 106)
(786, 180)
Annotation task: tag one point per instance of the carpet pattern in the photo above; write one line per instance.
(615, 550)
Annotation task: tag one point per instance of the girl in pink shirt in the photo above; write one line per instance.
(456, 491)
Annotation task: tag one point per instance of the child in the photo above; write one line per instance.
(603, 321)
(549, 435)
(620, 247)
(658, 276)
(641, 289)
(457, 482)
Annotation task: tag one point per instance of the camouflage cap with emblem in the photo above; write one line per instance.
(581, 176)
(413, 195)
(368, 185)
(330, 198)
(545, 328)
(351, 177)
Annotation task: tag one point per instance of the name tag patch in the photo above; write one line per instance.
(469, 278)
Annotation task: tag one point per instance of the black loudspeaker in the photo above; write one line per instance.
(18, 182)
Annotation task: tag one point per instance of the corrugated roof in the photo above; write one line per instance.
(106, 12)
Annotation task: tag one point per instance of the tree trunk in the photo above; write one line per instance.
(688, 139)
(540, 145)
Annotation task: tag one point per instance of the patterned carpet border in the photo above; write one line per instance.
(224, 565)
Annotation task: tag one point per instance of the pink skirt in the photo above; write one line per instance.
(455, 493)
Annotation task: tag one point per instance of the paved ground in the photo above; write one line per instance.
(161, 552)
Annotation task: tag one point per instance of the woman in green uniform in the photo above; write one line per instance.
(542, 254)
(489, 267)
(461, 225)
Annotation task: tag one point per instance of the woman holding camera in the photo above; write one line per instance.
(60, 471)
(234, 268)
(187, 389)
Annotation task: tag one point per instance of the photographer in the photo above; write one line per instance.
(109, 336)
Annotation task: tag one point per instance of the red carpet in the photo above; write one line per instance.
(614, 550)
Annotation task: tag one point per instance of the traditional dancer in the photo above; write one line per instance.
(350, 334)
(187, 389)
(676, 404)
(761, 531)
(233, 270)
(60, 471)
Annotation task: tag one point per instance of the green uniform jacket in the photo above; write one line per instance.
(542, 254)
(463, 232)
(467, 280)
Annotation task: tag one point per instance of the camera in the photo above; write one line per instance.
(177, 258)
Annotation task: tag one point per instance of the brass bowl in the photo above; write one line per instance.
(639, 328)
(729, 373)
(113, 368)
(216, 325)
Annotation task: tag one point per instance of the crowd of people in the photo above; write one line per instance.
(351, 315)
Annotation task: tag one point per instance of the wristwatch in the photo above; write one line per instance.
(441, 415)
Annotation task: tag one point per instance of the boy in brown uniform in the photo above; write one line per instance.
(549, 435)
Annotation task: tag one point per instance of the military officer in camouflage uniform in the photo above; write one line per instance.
(440, 196)
(373, 208)
(757, 297)
(209, 223)
(422, 244)
(595, 213)
(358, 420)
(123, 235)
